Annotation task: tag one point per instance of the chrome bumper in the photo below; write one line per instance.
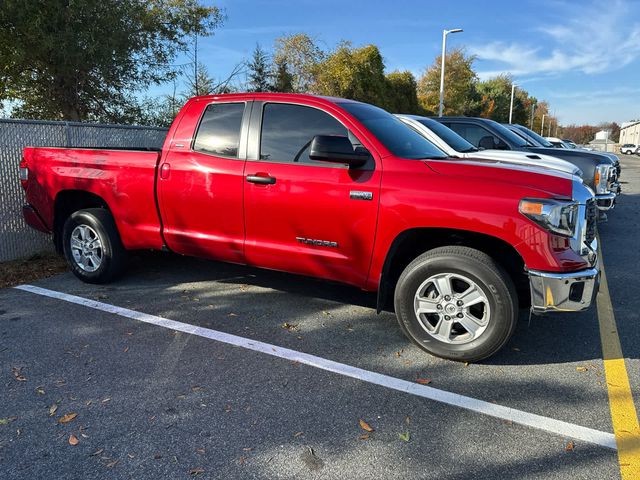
(563, 292)
(606, 201)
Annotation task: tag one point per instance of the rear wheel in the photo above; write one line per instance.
(92, 246)
(456, 303)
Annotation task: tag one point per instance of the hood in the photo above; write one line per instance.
(554, 182)
(525, 158)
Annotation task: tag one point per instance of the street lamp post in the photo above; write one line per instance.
(513, 88)
(444, 52)
(542, 127)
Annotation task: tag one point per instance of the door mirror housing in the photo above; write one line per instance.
(337, 149)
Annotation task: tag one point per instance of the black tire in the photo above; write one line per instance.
(113, 256)
(489, 277)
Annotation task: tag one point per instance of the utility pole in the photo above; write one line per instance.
(513, 88)
(444, 54)
(542, 127)
(533, 111)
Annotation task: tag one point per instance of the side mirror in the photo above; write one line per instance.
(337, 149)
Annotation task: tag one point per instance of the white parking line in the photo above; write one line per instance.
(539, 422)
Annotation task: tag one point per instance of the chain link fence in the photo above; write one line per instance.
(17, 239)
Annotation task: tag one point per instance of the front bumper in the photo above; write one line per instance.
(606, 201)
(563, 292)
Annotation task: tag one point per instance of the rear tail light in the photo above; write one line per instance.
(24, 172)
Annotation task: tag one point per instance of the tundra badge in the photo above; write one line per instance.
(318, 243)
(360, 195)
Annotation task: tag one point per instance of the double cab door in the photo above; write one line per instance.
(259, 199)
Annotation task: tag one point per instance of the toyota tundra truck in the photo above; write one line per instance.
(334, 189)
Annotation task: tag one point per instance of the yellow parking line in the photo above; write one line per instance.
(623, 410)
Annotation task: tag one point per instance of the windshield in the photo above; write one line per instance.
(539, 139)
(509, 135)
(450, 137)
(532, 142)
(401, 140)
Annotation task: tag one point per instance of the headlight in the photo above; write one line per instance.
(557, 216)
(601, 180)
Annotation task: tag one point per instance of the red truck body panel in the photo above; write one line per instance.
(205, 207)
(123, 179)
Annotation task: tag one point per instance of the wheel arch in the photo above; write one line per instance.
(69, 201)
(415, 241)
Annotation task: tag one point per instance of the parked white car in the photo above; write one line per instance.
(455, 146)
(629, 148)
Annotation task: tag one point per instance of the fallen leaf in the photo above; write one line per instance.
(407, 420)
(52, 410)
(73, 440)
(423, 381)
(8, 420)
(364, 436)
(515, 349)
(197, 388)
(297, 434)
(241, 460)
(466, 364)
(200, 451)
(97, 452)
(40, 391)
(126, 349)
(326, 313)
(67, 418)
(404, 436)
(130, 455)
(84, 435)
(108, 399)
(248, 449)
(112, 464)
(233, 315)
(21, 378)
(157, 456)
(290, 326)
(570, 447)
(581, 369)
(365, 426)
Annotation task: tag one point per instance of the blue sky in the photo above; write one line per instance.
(581, 56)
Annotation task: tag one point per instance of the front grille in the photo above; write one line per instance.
(592, 215)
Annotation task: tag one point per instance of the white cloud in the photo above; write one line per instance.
(600, 38)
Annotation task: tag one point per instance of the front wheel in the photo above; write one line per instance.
(456, 303)
(92, 246)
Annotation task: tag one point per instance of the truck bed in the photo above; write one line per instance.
(123, 178)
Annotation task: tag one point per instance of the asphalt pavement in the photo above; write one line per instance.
(153, 402)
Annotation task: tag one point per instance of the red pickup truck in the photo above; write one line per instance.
(335, 189)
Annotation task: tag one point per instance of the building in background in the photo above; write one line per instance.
(630, 133)
(603, 143)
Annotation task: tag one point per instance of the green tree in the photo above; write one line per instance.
(495, 100)
(355, 73)
(201, 84)
(260, 75)
(72, 60)
(402, 95)
(459, 85)
(301, 55)
(282, 78)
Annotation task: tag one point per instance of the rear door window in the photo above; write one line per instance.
(478, 136)
(219, 130)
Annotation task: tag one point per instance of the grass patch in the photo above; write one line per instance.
(25, 270)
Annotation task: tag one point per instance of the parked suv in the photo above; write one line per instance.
(629, 148)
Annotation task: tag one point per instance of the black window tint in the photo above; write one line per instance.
(219, 130)
(399, 138)
(287, 131)
(479, 137)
